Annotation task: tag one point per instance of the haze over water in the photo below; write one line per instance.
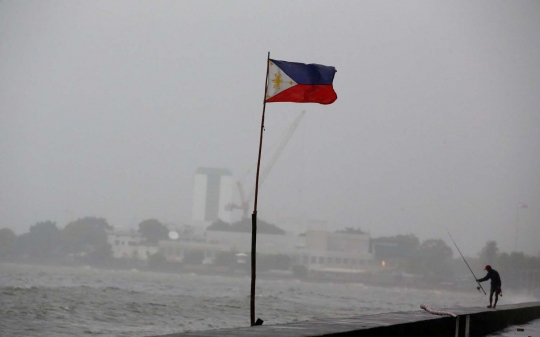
(60, 301)
(107, 108)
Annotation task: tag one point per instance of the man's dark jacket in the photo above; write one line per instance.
(494, 276)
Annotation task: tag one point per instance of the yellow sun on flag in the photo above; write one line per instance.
(277, 81)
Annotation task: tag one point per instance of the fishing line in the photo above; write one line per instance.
(479, 285)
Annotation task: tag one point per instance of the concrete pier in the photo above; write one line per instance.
(471, 322)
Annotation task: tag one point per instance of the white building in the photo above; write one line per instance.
(212, 192)
(218, 241)
(176, 251)
(324, 250)
(317, 250)
(241, 242)
(128, 245)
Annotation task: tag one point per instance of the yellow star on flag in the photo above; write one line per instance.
(278, 81)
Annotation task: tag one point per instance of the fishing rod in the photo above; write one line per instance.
(479, 285)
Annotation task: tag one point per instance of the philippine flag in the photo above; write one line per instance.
(300, 83)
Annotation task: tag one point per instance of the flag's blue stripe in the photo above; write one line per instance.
(303, 73)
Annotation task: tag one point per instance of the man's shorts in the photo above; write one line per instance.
(495, 290)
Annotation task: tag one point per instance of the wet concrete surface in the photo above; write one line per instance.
(410, 323)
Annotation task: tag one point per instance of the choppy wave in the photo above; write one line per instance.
(58, 301)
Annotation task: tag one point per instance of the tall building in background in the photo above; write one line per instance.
(212, 192)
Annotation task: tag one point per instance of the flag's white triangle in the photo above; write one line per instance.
(278, 81)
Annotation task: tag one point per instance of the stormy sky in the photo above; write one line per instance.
(107, 108)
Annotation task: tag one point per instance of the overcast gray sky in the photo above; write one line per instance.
(108, 107)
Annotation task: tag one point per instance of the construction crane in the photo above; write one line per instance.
(244, 206)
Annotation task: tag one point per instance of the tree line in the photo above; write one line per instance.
(83, 240)
(433, 258)
(509, 265)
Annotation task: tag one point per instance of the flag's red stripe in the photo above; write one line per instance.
(303, 93)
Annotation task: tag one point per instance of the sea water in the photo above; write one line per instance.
(76, 301)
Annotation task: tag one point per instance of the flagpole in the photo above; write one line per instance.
(254, 215)
(517, 228)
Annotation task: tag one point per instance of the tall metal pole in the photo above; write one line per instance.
(517, 228)
(254, 215)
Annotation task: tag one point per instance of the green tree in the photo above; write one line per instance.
(87, 235)
(435, 256)
(534, 262)
(512, 265)
(408, 242)
(503, 262)
(153, 231)
(488, 254)
(7, 241)
(518, 261)
(43, 241)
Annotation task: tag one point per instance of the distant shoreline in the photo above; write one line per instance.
(263, 275)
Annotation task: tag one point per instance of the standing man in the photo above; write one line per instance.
(495, 285)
